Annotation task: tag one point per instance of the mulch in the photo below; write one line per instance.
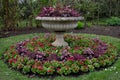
(113, 31)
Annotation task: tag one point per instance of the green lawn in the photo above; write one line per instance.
(111, 73)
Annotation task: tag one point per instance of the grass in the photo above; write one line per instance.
(111, 73)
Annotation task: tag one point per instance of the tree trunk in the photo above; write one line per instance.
(117, 8)
(110, 8)
(6, 14)
(10, 16)
(98, 14)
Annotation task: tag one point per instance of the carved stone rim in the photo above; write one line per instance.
(60, 18)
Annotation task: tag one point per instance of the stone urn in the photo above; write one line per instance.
(59, 25)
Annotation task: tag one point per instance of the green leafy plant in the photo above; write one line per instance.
(50, 70)
(96, 65)
(91, 67)
(56, 64)
(80, 25)
(41, 70)
(89, 24)
(84, 68)
(65, 70)
(20, 66)
(113, 21)
(26, 69)
(75, 68)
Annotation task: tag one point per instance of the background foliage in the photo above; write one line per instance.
(21, 13)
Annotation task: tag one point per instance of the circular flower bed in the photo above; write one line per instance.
(38, 56)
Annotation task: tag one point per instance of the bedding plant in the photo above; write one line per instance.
(38, 56)
(58, 11)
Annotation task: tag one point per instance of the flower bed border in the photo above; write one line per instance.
(53, 67)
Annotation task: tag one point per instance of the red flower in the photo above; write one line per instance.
(49, 71)
(50, 44)
(67, 47)
(67, 67)
(85, 67)
(10, 61)
(81, 62)
(54, 48)
(34, 66)
(14, 60)
(58, 69)
(36, 61)
(32, 43)
(33, 39)
(40, 67)
(40, 44)
(52, 67)
(11, 47)
(76, 48)
(71, 58)
(36, 48)
(49, 52)
(13, 53)
(94, 46)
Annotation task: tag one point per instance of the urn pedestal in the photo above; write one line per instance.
(59, 25)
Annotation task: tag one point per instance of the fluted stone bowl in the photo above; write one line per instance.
(59, 24)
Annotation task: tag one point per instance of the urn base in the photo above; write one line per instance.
(59, 40)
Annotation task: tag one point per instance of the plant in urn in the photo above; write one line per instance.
(59, 19)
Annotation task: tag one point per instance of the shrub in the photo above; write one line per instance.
(113, 21)
(89, 24)
(80, 25)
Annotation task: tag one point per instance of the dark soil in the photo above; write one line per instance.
(99, 30)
